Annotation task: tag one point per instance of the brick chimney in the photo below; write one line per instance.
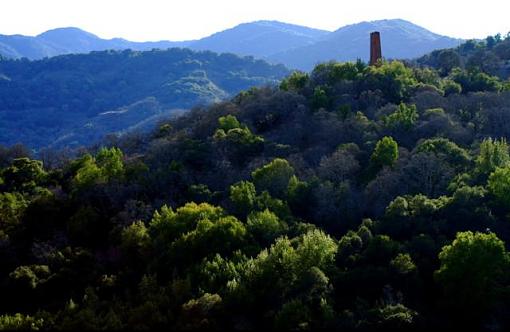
(375, 48)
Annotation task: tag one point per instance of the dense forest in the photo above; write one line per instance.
(353, 197)
(77, 99)
(491, 55)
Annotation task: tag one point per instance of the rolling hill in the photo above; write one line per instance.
(76, 99)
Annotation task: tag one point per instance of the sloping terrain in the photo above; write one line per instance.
(43, 101)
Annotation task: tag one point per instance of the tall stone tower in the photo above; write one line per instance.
(375, 48)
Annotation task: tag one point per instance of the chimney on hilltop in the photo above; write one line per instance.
(375, 48)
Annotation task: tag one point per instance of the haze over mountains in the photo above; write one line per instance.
(295, 46)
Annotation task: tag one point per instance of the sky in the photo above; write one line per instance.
(192, 19)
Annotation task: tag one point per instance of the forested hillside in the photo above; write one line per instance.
(352, 198)
(75, 100)
(491, 55)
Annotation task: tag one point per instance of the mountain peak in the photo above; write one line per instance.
(259, 38)
(400, 39)
(66, 32)
(398, 28)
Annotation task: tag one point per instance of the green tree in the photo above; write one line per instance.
(450, 87)
(346, 71)
(349, 247)
(228, 122)
(474, 80)
(210, 237)
(445, 149)
(12, 207)
(403, 264)
(135, 237)
(23, 175)
(471, 268)
(385, 153)
(493, 154)
(282, 268)
(295, 81)
(167, 225)
(273, 177)
(243, 195)
(265, 226)
(318, 249)
(403, 118)
(394, 79)
(333, 72)
(499, 185)
(193, 232)
(30, 276)
(275, 205)
(236, 139)
(110, 161)
(88, 173)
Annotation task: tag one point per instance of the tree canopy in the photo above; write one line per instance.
(351, 198)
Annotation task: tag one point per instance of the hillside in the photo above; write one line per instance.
(491, 55)
(352, 198)
(77, 99)
(400, 40)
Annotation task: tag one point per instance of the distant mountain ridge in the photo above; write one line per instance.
(400, 40)
(68, 41)
(295, 46)
(260, 38)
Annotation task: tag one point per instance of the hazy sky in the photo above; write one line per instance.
(191, 19)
